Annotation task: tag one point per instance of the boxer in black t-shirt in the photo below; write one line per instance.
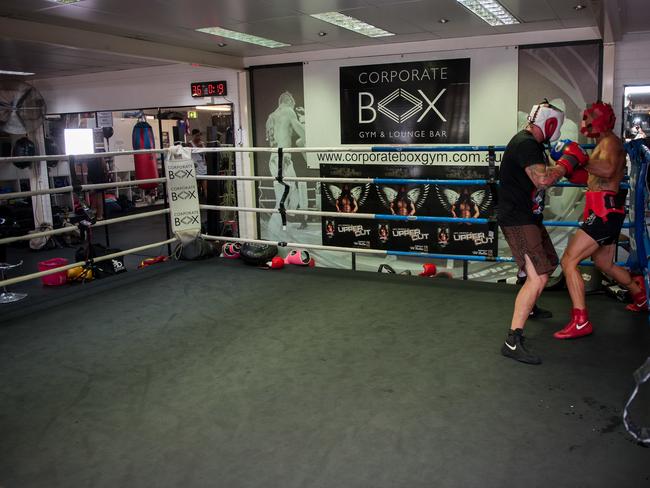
(524, 176)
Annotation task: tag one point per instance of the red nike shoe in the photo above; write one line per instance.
(579, 326)
(639, 300)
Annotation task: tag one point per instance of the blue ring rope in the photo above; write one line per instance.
(463, 220)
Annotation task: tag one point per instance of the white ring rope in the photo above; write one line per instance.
(73, 228)
(289, 212)
(241, 149)
(21, 194)
(32, 276)
(314, 179)
(68, 189)
(293, 244)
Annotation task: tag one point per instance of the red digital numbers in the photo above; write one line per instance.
(209, 89)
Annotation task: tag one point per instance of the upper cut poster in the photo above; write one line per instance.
(424, 102)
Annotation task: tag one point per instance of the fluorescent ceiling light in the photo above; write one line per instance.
(350, 23)
(64, 2)
(16, 73)
(490, 11)
(240, 36)
(214, 108)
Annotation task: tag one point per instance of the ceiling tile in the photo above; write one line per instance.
(384, 20)
(636, 15)
(320, 6)
(298, 30)
(527, 11)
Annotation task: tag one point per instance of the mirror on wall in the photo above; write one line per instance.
(636, 112)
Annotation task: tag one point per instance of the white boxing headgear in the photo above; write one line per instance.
(548, 118)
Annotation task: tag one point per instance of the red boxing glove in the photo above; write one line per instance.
(276, 263)
(570, 156)
(429, 270)
(580, 176)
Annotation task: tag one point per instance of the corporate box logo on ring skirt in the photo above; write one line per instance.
(424, 102)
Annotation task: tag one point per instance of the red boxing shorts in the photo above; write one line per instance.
(604, 215)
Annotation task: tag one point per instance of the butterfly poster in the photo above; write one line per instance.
(410, 201)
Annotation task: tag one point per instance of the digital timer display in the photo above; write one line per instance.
(209, 89)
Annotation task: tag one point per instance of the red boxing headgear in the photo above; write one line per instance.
(299, 257)
(602, 119)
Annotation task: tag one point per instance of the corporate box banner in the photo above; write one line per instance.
(423, 102)
(468, 201)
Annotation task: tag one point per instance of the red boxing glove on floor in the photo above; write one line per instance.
(276, 263)
(429, 269)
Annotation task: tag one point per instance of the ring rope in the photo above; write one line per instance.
(68, 189)
(106, 257)
(316, 179)
(72, 228)
(640, 434)
(380, 252)
(242, 149)
(402, 218)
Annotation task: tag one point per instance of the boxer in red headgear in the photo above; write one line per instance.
(604, 214)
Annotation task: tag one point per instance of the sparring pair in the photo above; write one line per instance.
(525, 175)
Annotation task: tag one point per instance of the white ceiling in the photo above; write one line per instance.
(172, 23)
(33, 57)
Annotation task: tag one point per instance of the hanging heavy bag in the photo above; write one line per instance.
(146, 166)
(23, 147)
(51, 148)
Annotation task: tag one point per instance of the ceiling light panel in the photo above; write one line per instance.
(490, 11)
(15, 73)
(350, 23)
(240, 36)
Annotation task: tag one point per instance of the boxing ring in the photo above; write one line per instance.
(212, 373)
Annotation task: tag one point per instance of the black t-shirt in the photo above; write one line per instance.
(520, 203)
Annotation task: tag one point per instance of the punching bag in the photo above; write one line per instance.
(23, 147)
(146, 166)
(51, 148)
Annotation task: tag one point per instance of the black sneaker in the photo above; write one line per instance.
(539, 313)
(514, 348)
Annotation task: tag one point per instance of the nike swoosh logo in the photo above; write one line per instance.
(581, 326)
(512, 348)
